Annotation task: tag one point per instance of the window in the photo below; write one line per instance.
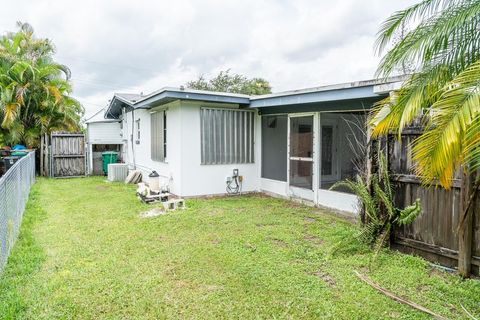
(138, 131)
(105, 147)
(274, 147)
(159, 135)
(227, 136)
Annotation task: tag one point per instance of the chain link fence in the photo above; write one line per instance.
(14, 190)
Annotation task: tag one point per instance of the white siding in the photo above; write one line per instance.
(104, 133)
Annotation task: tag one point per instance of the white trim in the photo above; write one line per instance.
(297, 192)
(341, 201)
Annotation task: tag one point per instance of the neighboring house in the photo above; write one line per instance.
(293, 144)
(102, 135)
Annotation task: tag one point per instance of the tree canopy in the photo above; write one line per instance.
(231, 82)
(34, 89)
(443, 43)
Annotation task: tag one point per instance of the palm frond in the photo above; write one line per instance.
(405, 17)
(409, 214)
(440, 149)
(438, 33)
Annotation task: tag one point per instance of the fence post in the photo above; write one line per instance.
(369, 169)
(465, 227)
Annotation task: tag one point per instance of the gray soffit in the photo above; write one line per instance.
(167, 95)
(363, 104)
(119, 101)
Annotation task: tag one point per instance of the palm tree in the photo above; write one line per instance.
(443, 43)
(34, 90)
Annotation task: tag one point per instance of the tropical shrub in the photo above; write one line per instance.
(34, 90)
(377, 199)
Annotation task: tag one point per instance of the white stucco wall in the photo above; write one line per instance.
(183, 170)
(169, 171)
(198, 179)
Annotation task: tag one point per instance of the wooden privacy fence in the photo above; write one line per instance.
(436, 232)
(63, 155)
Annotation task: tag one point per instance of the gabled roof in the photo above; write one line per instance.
(129, 97)
(119, 101)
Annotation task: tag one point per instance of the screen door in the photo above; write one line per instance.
(301, 152)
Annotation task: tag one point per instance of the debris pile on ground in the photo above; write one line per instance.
(174, 204)
(134, 176)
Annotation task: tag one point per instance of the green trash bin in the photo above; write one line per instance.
(107, 158)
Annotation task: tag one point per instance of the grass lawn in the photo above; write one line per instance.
(85, 253)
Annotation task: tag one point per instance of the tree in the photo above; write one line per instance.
(34, 90)
(444, 90)
(443, 93)
(234, 83)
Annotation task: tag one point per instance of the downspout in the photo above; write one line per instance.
(131, 139)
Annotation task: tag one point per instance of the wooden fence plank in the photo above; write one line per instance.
(436, 231)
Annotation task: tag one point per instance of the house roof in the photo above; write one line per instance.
(368, 90)
(98, 117)
(119, 101)
(169, 94)
(129, 97)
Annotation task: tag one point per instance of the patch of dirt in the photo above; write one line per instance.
(423, 288)
(310, 220)
(250, 247)
(184, 284)
(313, 239)
(215, 212)
(216, 241)
(328, 279)
(155, 212)
(436, 272)
(212, 287)
(102, 188)
(279, 243)
(394, 314)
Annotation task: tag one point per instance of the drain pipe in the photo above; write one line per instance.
(131, 138)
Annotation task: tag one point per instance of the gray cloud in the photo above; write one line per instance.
(120, 45)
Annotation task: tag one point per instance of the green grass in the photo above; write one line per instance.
(85, 253)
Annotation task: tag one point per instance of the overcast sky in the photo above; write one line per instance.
(140, 46)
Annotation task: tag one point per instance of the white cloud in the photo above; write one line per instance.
(133, 46)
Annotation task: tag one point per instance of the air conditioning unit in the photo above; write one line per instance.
(117, 171)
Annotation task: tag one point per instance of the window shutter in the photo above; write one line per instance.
(227, 136)
(157, 134)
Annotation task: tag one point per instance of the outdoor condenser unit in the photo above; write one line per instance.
(117, 171)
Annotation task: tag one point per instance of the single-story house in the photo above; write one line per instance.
(292, 144)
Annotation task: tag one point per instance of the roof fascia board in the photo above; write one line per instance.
(355, 93)
(169, 95)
